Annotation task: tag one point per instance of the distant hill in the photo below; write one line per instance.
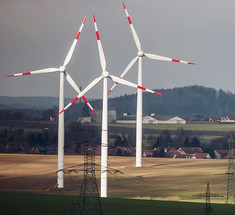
(182, 101)
(29, 102)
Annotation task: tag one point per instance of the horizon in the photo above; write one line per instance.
(109, 97)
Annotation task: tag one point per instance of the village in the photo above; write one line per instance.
(13, 140)
(153, 118)
(19, 141)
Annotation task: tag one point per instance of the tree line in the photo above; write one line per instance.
(181, 101)
(78, 134)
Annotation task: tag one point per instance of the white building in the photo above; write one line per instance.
(172, 120)
(85, 119)
(152, 119)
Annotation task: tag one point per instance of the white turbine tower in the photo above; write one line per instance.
(104, 137)
(140, 55)
(63, 72)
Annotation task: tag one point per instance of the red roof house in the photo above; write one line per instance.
(202, 156)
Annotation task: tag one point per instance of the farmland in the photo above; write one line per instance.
(158, 179)
(188, 127)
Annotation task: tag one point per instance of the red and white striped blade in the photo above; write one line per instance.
(89, 87)
(70, 53)
(136, 38)
(101, 52)
(130, 65)
(124, 82)
(157, 57)
(41, 71)
(76, 88)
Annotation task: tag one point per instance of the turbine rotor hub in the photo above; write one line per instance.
(62, 69)
(140, 53)
(105, 74)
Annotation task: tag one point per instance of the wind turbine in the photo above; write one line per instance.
(139, 57)
(104, 136)
(63, 73)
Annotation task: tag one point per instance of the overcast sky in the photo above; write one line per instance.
(37, 34)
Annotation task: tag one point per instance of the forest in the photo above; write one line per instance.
(182, 101)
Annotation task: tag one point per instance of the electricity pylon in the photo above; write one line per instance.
(89, 200)
(207, 195)
(230, 199)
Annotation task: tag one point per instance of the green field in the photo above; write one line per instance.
(161, 186)
(191, 127)
(37, 204)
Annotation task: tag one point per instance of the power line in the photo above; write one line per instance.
(230, 198)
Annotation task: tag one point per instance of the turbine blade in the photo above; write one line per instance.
(41, 71)
(157, 57)
(90, 86)
(101, 52)
(72, 83)
(137, 41)
(124, 82)
(130, 65)
(76, 88)
(114, 85)
(70, 53)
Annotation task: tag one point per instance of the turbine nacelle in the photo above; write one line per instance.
(62, 69)
(140, 53)
(105, 74)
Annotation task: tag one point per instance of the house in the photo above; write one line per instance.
(84, 119)
(228, 120)
(172, 153)
(190, 152)
(34, 150)
(197, 149)
(181, 156)
(202, 156)
(147, 153)
(170, 120)
(222, 154)
(52, 119)
(222, 120)
(215, 119)
(126, 118)
(152, 119)
(50, 150)
(149, 120)
(130, 151)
